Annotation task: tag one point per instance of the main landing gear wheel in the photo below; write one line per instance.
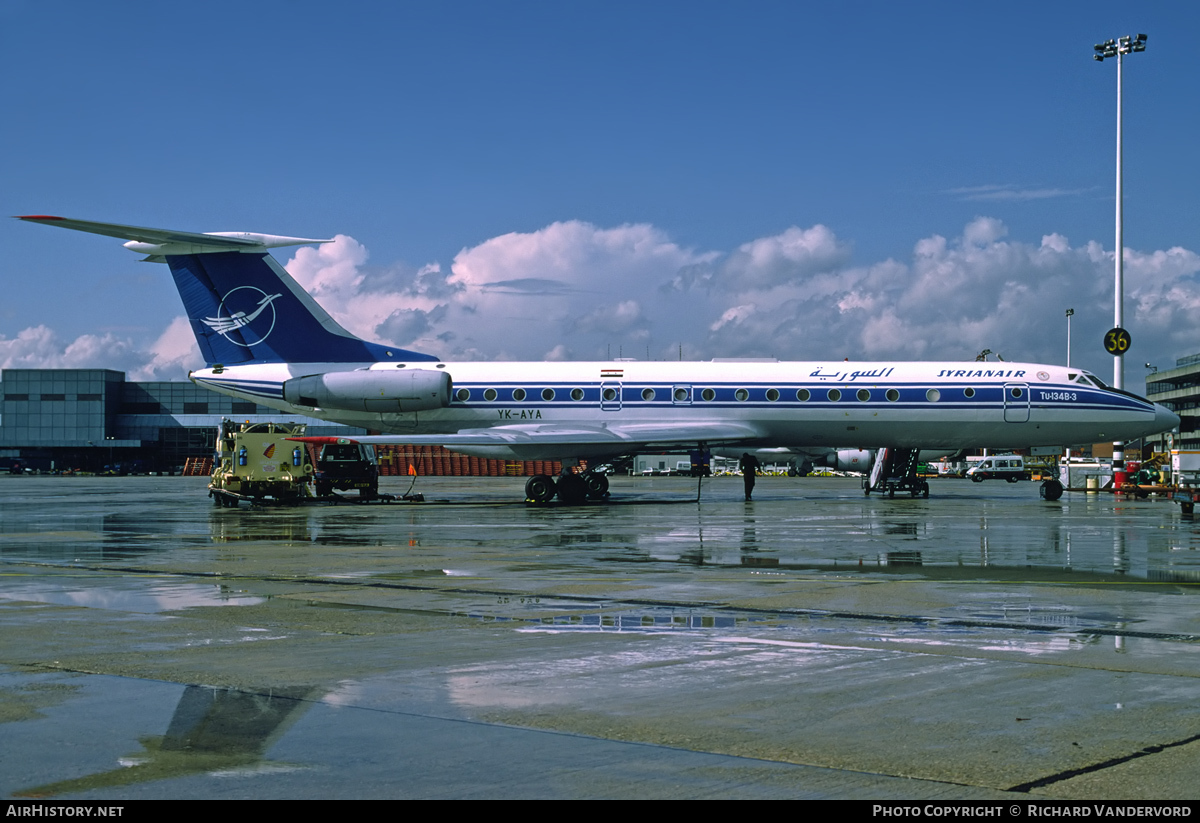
(540, 489)
(597, 485)
(1051, 490)
(572, 489)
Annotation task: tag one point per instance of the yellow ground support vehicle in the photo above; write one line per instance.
(257, 462)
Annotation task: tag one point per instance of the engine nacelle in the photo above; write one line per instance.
(402, 390)
(855, 460)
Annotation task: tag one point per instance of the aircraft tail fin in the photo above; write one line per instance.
(242, 305)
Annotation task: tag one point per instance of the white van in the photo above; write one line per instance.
(1011, 467)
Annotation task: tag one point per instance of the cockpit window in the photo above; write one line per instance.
(1089, 379)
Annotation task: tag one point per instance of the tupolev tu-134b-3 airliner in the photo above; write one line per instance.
(265, 339)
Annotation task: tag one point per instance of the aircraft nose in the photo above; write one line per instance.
(1164, 418)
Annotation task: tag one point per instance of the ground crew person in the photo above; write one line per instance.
(750, 466)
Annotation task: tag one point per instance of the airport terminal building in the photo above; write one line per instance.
(1179, 390)
(87, 419)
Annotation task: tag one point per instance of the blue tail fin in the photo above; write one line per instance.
(245, 308)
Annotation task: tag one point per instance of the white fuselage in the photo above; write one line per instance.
(780, 404)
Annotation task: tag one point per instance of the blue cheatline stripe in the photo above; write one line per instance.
(910, 397)
(257, 388)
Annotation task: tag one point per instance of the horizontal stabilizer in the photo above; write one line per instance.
(159, 242)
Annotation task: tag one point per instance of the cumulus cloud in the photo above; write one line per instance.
(573, 291)
(169, 357)
(788, 257)
(615, 318)
(39, 347)
(597, 287)
(172, 355)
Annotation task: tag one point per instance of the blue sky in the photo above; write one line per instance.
(569, 180)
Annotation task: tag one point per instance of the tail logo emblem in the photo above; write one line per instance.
(252, 303)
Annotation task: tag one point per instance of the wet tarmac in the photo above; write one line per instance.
(815, 643)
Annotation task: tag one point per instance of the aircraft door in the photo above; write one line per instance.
(610, 396)
(1016, 402)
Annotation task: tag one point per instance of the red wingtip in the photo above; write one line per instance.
(39, 217)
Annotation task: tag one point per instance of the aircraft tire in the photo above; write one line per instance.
(540, 489)
(597, 485)
(1051, 490)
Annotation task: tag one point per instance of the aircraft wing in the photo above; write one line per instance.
(142, 234)
(629, 437)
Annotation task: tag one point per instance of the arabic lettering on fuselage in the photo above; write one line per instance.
(851, 376)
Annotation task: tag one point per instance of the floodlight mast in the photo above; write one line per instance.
(1119, 48)
(1070, 312)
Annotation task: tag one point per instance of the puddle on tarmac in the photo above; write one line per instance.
(162, 597)
(220, 732)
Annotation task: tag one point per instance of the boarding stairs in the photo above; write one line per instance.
(896, 470)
